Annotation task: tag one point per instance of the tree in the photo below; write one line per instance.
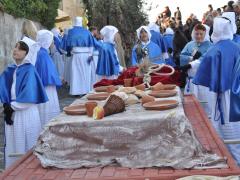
(43, 11)
(126, 15)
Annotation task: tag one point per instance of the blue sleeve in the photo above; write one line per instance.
(185, 56)
(134, 57)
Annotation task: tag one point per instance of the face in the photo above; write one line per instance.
(237, 10)
(199, 35)
(143, 36)
(18, 54)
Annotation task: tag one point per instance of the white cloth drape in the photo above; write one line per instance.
(51, 108)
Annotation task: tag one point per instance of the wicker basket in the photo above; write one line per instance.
(114, 105)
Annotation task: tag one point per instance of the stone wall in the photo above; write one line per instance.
(10, 33)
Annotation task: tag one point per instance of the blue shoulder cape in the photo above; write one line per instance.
(57, 43)
(80, 37)
(158, 39)
(219, 71)
(46, 69)
(108, 64)
(29, 88)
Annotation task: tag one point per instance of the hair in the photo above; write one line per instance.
(23, 46)
(199, 27)
(92, 28)
(29, 29)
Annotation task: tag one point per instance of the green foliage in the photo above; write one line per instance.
(43, 11)
(126, 15)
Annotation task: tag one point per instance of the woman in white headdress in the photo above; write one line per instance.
(49, 76)
(56, 52)
(67, 58)
(21, 90)
(146, 47)
(81, 44)
(108, 63)
(219, 71)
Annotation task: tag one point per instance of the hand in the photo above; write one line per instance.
(90, 59)
(8, 111)
(197, 55)
(186, 67)
(170, 50)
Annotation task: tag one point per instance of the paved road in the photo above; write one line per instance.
(64, 100)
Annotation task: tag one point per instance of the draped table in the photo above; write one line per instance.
(135, 138)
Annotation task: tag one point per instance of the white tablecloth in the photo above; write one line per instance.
(135, 138)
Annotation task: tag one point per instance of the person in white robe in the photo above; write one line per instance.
(109, 32)
(21, 90)
(219, 71)
(49, 76)
(81, 44)
(56, 52)
(190, 59)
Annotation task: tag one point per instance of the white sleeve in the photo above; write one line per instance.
(165, 55)
(20, 106)
(195, 64)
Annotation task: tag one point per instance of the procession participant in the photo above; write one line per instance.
(56, 52)
(66, 57)
(232, 17)
(145, 45)
(168, 39)
(157, 38)
(49, 76)
(193, 52)
(81, 43)
(219, 72)
(21, 90)
(108, 66)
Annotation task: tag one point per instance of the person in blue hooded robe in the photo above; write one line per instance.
(81, 44)
(232, 17)
(108, 66)
(219, 71)
(57, 53)
(158, 39)
(168, 39)
(146, 46)
(21, 90)
(49, 76)
(67, 58)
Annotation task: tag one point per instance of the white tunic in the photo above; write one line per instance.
(58, 61)
(51, 108)
(67, 68)
(229, 130)
(23, 134)
(200, 92)
(80, 82)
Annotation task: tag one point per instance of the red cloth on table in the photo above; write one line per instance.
(130, 73)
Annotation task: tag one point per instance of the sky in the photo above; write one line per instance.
(197, 7)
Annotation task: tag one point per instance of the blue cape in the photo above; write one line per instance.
(220, 71)
(168, 40)
(236, 38)
(57, 43)
(29, 88)
(80, 37)
(108, 64)
(153, 52)
(46, 69)
(158, 39)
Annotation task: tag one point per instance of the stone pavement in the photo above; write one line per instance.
(64, 100)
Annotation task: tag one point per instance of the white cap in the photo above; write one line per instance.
(78, 21)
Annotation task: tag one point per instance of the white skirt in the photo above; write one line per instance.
(67, 68)
(94, 77)
(23, 134)
(229, 130)
(50, 109)
(80, 74)
(59, 63)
